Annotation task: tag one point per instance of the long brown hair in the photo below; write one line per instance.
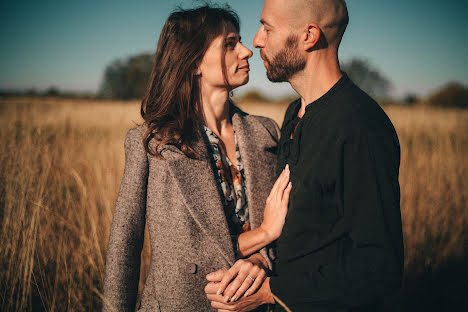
(171, 106)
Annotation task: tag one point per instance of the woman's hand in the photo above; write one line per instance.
(245, 277)
(277, 206)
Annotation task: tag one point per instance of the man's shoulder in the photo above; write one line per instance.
(360, 112)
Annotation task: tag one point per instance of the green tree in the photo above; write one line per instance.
(128, 78)
(367, 77)
(452, 95)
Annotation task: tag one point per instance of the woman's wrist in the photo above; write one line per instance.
(258, 257)
(267, 236)
(251, 241)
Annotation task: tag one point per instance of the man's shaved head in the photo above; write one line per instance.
(330, 15)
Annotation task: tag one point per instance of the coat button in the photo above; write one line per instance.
(191, 268)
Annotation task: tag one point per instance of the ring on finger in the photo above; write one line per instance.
(253, 279)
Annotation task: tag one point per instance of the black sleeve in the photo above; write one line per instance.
(373, 258)
(367, 261)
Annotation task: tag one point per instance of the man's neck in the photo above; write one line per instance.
(316, 79)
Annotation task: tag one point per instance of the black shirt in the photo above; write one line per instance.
(342, 243)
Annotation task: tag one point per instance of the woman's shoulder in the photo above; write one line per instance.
(138, 130)
(260, 122)
(134, 136)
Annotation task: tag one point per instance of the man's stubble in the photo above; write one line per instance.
(286, 62)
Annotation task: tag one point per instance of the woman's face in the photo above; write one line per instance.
(236, 58)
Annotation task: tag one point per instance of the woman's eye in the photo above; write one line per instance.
(230, 44)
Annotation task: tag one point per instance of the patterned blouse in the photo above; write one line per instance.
(231, 183)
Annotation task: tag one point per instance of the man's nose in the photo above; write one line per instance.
(258, 41)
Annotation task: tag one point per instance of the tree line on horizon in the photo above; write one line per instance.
(127, 78)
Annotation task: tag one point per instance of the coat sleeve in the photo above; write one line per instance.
(127, 231)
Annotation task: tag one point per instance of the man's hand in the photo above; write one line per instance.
(244, 278)
(262, 296)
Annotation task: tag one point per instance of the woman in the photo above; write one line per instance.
(198, 172)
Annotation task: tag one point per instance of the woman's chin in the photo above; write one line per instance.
(239, 83)
(245, 81)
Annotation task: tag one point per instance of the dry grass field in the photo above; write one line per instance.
(61, 162)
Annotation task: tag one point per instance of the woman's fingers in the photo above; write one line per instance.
(250, 286)
(245, 285)
(211, 288)
(216, 276)
(282, 185)
(277, 182)
(256, 284)
(287, 191)
(275, 212)
(234, 287)
(284, 175)
(229, 275)
(243, 277)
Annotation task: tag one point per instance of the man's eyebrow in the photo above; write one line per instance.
(265, 22)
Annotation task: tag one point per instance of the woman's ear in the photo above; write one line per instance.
(311, 36)
(198, 71)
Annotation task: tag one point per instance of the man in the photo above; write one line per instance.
(341, 248)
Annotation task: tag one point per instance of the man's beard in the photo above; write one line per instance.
(286, 62)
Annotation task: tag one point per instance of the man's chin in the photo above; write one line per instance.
(276, 78)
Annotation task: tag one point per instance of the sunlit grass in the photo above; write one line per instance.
(61, 162)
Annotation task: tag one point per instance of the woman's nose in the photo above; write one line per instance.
(246, 52)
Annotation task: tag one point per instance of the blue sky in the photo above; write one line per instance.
(419, 44)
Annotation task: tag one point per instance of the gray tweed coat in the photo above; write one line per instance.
(180, 202)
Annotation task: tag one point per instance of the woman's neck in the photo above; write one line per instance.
(215, 107)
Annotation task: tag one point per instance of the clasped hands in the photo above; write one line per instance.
(243, 287)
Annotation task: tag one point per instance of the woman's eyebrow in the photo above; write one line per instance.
(233, 37)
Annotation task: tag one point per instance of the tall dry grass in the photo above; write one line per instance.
(60, 168)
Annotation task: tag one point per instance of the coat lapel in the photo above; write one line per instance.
(196, 181)
(259, 160)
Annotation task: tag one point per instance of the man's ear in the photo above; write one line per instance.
(311, 36)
